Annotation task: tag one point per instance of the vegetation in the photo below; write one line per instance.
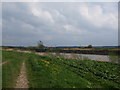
(89, 46)
(0, 69)
(79, 74)
(58, 72)
(114, 57)
(11, 69)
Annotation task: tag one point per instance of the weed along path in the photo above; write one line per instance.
(2, 63)
(22, 81)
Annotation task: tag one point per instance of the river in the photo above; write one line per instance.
(105, 58)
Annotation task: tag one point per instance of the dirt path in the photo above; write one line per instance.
(25, 51)
(2, 63)
(22, 81)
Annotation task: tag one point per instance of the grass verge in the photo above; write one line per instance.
(11, 69)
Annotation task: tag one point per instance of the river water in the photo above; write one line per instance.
(105, 58)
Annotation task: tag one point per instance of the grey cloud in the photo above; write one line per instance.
(22, 27)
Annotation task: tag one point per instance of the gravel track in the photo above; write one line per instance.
(22, 81)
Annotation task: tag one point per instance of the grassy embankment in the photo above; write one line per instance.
(52, 72)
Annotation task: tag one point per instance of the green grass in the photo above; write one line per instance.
(52, 72)
(44, 73)
(11, 69)
(68, 73)
(0, 56)
(0, 69)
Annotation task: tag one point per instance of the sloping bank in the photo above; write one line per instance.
(51, 72)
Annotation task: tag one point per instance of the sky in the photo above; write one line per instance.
(60, 23)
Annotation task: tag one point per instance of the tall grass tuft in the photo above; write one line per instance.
(114, 58)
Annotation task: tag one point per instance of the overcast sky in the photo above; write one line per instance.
(60, 24)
